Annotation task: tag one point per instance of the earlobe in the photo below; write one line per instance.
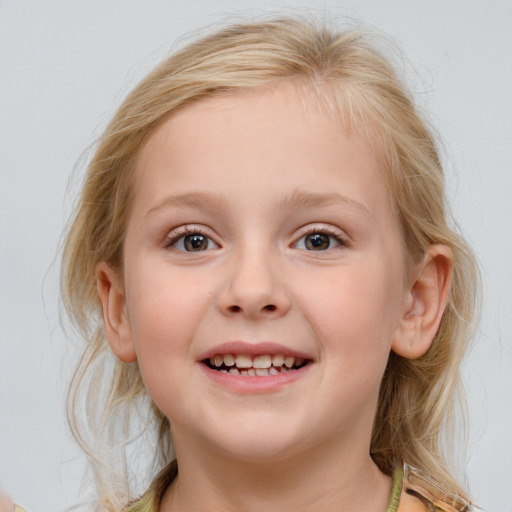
(117, 327)
(425, 303)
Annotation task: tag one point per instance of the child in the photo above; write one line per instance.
(261, 266)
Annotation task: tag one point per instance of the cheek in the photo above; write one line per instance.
(164, 319)
(355, 311)
(164, 311)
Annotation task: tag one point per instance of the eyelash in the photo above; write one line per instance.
(173, 238)
(331, 233)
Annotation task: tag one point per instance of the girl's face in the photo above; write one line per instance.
(264, 280)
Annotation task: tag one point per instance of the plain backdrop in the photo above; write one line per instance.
(65, 65)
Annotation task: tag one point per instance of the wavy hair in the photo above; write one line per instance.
(352, 79)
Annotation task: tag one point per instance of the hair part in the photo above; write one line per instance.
(351, 80)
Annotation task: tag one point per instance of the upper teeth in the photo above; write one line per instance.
(262, 361)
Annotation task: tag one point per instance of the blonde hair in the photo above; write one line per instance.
(351, 79)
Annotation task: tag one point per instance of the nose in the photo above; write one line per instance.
(255, 288)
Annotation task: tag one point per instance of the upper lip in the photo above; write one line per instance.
(253, 349)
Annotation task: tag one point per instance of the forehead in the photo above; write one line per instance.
(279, 135)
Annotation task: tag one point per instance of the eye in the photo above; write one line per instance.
(191, 242)
(319, 241)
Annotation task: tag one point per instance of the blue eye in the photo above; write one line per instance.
(193, 242)
(318, 241)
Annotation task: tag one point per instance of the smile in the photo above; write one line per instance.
(254, 366)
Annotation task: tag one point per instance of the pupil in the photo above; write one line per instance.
(195, 242)
(317, 241)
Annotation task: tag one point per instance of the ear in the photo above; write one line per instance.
(117, 326)
(425, 303)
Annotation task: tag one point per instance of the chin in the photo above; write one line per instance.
(261, 442)
(262, 452)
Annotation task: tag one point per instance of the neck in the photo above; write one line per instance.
(320, 479)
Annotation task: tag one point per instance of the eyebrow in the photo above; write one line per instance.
(305, 199)
(296, 199)
(191, 200)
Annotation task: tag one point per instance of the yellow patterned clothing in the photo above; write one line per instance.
(418, 493)
(411, 492)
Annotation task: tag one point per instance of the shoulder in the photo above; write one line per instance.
(422, 494)
(6, 505)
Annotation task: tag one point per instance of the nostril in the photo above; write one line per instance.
(236, 309)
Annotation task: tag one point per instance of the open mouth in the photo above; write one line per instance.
(254, 366)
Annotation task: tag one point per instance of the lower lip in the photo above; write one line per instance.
(247, 384)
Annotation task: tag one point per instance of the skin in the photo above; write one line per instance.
(257, 174)
(6, 505)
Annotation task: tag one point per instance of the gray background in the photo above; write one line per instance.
(65, 65)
